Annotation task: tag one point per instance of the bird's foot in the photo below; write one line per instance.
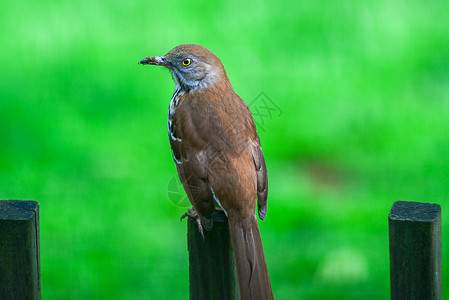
(194, 215)
(190, 213)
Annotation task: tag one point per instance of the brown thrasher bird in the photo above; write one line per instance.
(218, 155)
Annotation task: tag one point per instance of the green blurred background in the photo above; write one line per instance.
(364, 94)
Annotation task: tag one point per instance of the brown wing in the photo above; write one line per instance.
(259, 163)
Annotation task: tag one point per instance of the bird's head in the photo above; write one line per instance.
(193, 67)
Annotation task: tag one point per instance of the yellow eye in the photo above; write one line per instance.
(186, 62)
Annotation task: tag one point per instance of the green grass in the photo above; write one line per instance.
(364, 91)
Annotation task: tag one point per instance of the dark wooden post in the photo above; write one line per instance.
(415, 251)
(20, 277)
(212, 265)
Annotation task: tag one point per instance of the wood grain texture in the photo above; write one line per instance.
(415, 251)
(212, 268)
(19, 250)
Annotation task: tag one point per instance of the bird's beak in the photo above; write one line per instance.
(157, 61)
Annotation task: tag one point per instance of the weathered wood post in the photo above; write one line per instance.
(212, 268)
(415, 251)
(20, 277)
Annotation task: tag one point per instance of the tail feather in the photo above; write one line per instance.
(252, 272)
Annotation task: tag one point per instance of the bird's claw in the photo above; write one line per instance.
(194, 215)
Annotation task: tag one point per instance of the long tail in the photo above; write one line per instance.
(252, 272)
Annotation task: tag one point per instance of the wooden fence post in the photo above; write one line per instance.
(19, 250)
(415, 251)
(212, 268)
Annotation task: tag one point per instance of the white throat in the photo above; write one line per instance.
(208, 80)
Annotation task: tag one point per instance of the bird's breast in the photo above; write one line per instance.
(174, 102)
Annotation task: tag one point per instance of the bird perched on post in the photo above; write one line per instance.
(218, 156)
